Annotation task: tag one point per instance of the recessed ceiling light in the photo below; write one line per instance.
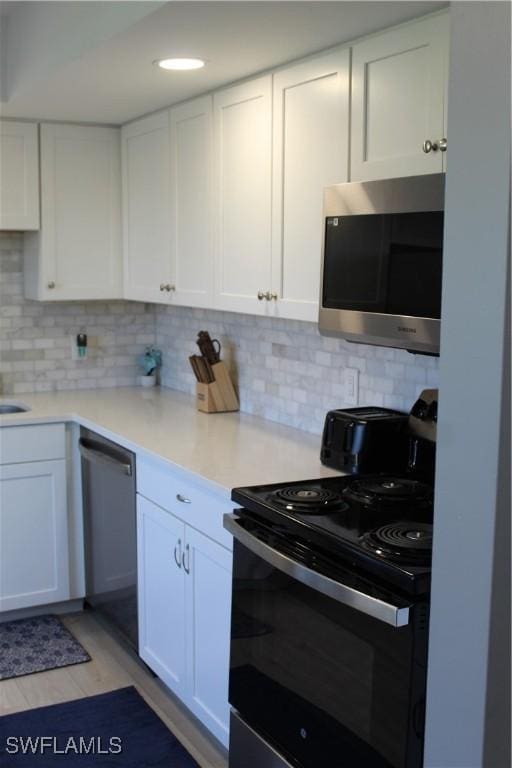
(180, 64)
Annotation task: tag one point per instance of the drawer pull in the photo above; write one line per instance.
(183, 499)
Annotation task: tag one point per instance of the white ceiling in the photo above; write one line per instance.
(92, 61)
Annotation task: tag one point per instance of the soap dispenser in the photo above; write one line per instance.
(81, 345)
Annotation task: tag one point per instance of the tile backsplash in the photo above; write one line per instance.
(35, 337)
(284, 370)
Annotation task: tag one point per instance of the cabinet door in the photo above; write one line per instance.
(191, 197)
(161, 593)
(80, 246)
(398, 100)
(146, 245)
(311, 140)
(243, 123)
(208, 610)
(19, 176)
(34, 549)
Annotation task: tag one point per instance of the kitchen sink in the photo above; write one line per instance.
(12, 408)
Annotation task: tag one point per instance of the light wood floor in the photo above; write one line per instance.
(112, 666)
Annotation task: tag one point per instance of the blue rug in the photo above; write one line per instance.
(112, 729)
(35, 645)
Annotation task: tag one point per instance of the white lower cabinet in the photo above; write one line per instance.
(161, 593)
(208, 620)
(184, 612)
(34, 550)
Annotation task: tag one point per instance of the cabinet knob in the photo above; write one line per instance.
(183, 499)
(430, 146)
(162, 286)
(443, 144)
(169, 287)
(51, 285)
(261, 295)
(271, 296)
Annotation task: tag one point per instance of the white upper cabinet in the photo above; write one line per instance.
(399, 100)
(191, 135)
(311, 143)
(77, 254)
(19, 175)
(243, 176)
(148, 274)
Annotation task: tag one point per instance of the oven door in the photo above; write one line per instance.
(328, 669)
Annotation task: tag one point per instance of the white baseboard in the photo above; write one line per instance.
(69, 606)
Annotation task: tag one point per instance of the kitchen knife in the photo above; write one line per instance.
(193, 365)
(205, 370)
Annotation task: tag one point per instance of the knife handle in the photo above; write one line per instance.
(207, 347)
(218, 350)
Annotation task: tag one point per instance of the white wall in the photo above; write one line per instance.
(497, 746)
(471, 373)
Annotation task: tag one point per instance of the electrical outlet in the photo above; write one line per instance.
(351, 386)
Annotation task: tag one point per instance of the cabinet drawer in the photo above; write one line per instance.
(32, 443)
(175, 492)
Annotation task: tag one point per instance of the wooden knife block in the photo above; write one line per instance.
(220, 395)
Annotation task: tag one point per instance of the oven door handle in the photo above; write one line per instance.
(378, 609)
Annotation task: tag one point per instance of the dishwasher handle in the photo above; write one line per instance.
(94, 452)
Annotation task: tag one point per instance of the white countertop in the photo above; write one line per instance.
(225, 449)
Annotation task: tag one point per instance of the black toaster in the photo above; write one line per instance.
(365, 440)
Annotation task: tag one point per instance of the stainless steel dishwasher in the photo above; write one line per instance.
(110, 532)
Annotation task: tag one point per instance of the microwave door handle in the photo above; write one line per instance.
(359, 601)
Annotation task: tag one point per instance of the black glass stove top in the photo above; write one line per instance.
(380, 524)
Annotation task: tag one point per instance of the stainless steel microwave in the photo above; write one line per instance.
(382, 262)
